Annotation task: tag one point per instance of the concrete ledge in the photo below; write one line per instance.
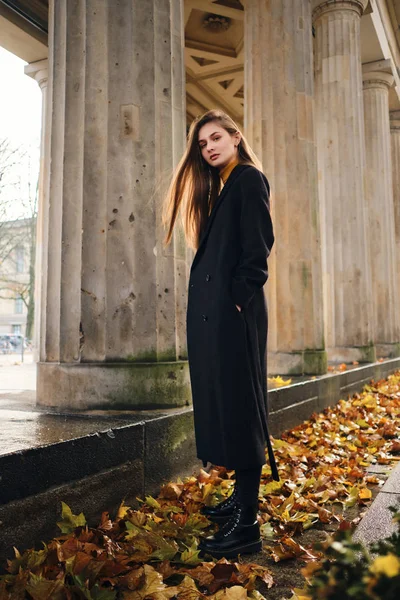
(162, 441)
(290, 405)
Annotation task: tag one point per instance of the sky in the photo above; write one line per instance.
(20, 101)
(20, 123)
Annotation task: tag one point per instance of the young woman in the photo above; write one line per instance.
(223, 198)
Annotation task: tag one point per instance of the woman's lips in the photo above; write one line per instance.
(214, 156)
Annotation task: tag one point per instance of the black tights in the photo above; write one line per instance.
(248, 483)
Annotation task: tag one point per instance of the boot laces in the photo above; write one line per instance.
(231, 525)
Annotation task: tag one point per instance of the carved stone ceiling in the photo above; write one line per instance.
(214, 56)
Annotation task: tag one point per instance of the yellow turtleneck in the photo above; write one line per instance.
(227, 170)
(224, 174)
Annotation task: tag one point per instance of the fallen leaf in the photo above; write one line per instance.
(70, 521)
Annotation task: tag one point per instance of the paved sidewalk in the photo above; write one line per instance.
(17, 377)
(377, 523)
(15, 358)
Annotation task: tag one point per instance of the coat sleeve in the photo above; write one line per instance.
(256, 237)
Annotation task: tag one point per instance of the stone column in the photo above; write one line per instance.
(114, 299)
(39, 71)
(379, 201)
(279, 110)
(341, 163)
(395, 154)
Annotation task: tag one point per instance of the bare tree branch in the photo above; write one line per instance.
(18, 216)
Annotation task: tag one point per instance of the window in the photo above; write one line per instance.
(19, 305)
(20, 259)
(16, 329)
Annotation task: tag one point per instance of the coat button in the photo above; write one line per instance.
(205, 318)
(192, 285)
(208, 277)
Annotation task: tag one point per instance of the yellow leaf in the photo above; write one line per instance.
(157, 519)
(207, 490)
(369, 401)
(43, 589)
(299, 595)
(70, 521)
(236, 592)
(278, 381)
(191, 555)
(153, 587)
(352, 498)
(285, 515)
(187, 589)
(365, 494)
(255, 595)
(271, 487)
(122, 511)
(352, 447)
(388, 565)
(152, 502)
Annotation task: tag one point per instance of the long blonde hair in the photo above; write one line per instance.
(196, 184)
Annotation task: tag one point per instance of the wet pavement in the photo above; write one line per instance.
(25, 425)
(22, 429)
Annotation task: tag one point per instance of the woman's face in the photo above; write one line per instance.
(218, 147)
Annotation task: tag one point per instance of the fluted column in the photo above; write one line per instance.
(115, 299)
(379, 200)
(395, 154)
(279, 109)
(39, 71)
(341, 163)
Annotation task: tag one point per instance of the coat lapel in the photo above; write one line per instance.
(236, 171)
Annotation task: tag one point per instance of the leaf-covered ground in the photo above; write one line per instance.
(151, 552)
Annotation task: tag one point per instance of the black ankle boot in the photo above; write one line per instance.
(240, 535)
(223, 511)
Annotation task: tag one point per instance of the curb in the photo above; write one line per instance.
(377, 523)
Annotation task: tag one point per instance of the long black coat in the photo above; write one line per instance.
(227, 348)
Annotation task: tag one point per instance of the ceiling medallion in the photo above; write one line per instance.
(216, 23)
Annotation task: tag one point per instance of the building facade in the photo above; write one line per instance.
(15, 260)
(315, 86)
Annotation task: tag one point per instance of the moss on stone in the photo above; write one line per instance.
(144, 356)
(367, 353)
(315, 362)
(150, 386)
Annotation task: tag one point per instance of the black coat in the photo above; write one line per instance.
(227, 348)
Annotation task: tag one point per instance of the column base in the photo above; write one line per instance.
(307, 362)
(348, 354)
(114, 386)
(387, 350)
